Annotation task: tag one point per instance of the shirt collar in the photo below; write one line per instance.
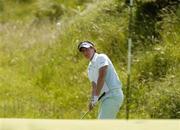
(94, 57)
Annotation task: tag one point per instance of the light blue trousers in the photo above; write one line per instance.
(110, 104)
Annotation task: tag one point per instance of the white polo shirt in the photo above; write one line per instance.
(111, 80)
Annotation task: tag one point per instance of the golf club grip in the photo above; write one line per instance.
(101, 96)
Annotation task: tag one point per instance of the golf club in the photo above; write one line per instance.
(89, 110)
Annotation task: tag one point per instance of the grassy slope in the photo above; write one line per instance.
(43, 75)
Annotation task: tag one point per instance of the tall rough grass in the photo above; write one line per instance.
(155, 71)
(42, 75)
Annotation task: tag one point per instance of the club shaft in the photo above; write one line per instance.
(85, 114)
(89, 110)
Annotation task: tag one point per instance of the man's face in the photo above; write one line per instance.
(87, 52)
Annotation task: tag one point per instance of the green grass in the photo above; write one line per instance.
(42, 74)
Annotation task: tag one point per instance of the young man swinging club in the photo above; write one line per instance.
(104, 78)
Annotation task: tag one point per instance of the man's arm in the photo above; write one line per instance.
(96, 88)
(93, 93)
(101, 79)
(93, 88)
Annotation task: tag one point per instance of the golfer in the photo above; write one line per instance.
(103, 78)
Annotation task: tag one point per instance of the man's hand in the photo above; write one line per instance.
(90, 106)
(93, 102)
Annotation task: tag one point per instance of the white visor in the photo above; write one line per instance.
(85, 45)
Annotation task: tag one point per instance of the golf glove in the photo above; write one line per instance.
(94, 100)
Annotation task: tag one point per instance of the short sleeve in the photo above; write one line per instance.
(102, 61)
